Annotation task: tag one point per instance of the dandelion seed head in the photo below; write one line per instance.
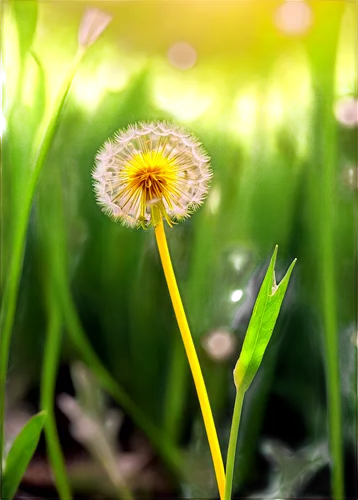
(149, 172)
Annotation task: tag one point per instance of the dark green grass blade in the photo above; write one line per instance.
(20, 455)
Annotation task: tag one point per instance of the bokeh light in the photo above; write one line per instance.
(288, 94)
(187, 99)
(90, 94)
(346, 111)
(349, 177)
(245, 112)
(219, 345)
(113, 77)
(355, 338)
(182, 55)
(294, 17)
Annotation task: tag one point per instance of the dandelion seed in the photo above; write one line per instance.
(150, 172)
(94, 22)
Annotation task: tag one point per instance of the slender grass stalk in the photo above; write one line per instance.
(255, 415)
(234, 431)
(192, 357)
(329, 294)
(48, 382)
(8, 307)
(323, 193)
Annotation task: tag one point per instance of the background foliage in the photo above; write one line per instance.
(265, 103)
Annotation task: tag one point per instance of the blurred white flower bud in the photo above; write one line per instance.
(94, 22)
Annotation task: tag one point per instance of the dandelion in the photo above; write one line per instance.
(93, 24)
(149, 173)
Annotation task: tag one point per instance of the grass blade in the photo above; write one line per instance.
(52, 349)
(20, 455)
(262, 322)
(8, 308)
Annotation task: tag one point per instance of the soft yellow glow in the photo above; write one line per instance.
(245, 109)
(30, 82)
(346, 67)
(214, 200)
(185, 97)
(113, 77)
(290, 93)
(86, 88)
(346, 72)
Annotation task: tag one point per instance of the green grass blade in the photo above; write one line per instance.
(52, 349)
(262, 322)
(20, 455)
(24, 18)
(52, 353)
(25, 14)
(7, 314)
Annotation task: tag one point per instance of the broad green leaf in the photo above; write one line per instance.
(262, 323)
(20, 455)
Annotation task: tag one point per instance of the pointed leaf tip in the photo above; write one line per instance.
(20, 454)
(262, 323)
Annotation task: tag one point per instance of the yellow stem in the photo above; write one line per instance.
(192, 357)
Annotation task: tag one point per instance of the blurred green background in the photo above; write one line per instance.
(270, 89)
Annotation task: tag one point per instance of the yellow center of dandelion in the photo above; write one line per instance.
(151, 177)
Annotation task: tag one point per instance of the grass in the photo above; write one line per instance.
(277, 177)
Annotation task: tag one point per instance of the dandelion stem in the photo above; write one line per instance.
(230, 461)
(192, 357)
